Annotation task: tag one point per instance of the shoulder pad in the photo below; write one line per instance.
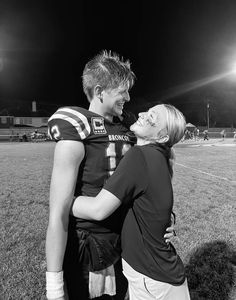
(69, 123)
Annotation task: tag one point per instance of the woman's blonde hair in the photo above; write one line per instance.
(173, 129)
(175, 124)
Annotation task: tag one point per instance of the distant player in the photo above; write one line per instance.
(196, 133)
(205, 135)
(222, 133)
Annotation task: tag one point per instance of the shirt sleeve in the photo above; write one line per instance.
(128, 181)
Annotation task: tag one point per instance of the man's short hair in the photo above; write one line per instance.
(109, 71)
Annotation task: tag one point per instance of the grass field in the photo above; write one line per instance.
(205, 204)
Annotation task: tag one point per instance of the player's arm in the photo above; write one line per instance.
(95, 208)
(67, 158)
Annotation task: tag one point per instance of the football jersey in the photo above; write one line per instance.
(105, 144)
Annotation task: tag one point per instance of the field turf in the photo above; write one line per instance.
(205, 205)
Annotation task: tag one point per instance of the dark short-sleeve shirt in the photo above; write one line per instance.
(142, 181)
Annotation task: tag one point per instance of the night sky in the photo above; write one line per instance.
(44, 46)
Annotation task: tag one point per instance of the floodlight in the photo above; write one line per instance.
(233, 69)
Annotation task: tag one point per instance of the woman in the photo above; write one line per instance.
(142, 182)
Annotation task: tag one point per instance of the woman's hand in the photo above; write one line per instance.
(170, 233)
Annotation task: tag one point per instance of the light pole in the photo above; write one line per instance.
(208, 115)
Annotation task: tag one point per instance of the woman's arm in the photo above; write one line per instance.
(100, 207)
(95, 208)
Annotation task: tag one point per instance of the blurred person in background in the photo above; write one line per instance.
(234, 135)
(205, 135)
(222, 133)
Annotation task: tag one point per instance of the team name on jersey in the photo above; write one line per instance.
(117, 137)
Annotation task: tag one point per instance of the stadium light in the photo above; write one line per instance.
(233, 70)
(208, 114)
(1, 64)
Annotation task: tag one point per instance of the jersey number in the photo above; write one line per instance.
(55, 133)
(111, 154)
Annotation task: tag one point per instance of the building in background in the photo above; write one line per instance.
(6, 121)
(23, 118)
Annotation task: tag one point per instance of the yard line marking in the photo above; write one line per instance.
(209, 174)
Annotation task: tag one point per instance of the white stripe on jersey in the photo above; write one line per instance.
(59, 115)
(79, 115)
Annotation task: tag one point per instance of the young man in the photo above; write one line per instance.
(142, 182)
(90, 145)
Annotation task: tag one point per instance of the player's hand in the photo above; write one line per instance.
(170, 233)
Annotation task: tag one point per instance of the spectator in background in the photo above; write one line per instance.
(34, 134)
(205, 135)
(196, 133)
(222, 133)
(142, 182)
(234, 135)
(18, 137)
(24, 137)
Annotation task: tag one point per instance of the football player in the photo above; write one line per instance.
(90, 144)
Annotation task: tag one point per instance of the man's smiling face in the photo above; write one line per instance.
(114, 99)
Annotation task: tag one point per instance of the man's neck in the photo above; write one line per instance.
(98, 109)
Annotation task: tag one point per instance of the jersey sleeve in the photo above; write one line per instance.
(69, 123)
(129, 180)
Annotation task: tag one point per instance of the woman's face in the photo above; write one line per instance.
(150, 124)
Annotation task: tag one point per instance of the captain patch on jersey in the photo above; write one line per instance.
(98, 125)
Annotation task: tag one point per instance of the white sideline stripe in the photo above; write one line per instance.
(209, 174)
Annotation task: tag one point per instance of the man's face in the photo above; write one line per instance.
(114, 99)
(150, 124)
